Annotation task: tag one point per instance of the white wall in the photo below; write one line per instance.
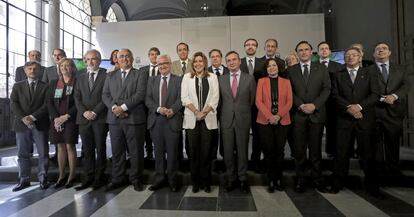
(203, 34)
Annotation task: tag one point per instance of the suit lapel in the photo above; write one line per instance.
(392, 74)
(156, 87)
(300, 75)
(241, 84)
(98, 79)
(359, 77)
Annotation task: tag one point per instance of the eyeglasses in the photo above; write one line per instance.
(352, 55)
(124, 56)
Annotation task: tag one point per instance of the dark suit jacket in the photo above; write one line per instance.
(225, 70)
(316, 91)
(258, 68)
(364, 91)
(20, 75)
(145, 69)
(237, 109)
(152, 100)
(131, 93)
(397, 84)
(90, 100)
(53, 103)
(23, 106)
(50, 74)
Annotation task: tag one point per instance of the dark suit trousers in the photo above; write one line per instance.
(216, 144)
(344, 149)
(123, 137)
(148, 144)
(308, 135)
(93, 137)
(199, 140)
(235, 144)
(330, 125)
(25, 140)
(389, 131)
(273, 140)
(165, 142)
(256, 146)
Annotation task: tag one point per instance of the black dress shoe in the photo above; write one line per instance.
(44, 184)
(207, 189)
(84, 185)
(278, 185)
(156, 186)
(138, 186)
(231, 186)
(60, 183)
(112, 186)
(70, 183)
(321, 187)
(98, 184)
(21, 186)
(196, 188)
(270, 187)
(243, 187)
(375, 192)
(300, 187)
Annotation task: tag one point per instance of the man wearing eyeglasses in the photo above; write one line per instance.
(124, 95)
(355, 92)
(165, 119)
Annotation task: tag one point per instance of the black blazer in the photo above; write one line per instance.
(20, 75)
(145, 69)
(258, 68)
(397, 84)
(225, 70)
(90, 100)
(364, 91)
(23, 106)
(316, 91)
(152, 100)
(53, 104)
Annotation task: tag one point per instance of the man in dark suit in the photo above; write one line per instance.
(311, 88)
(34, 55)
(152, 71)
(165, 119)
(91, 118)
(124, 95)
(355, 91)
(253, 66)
(391, 107)
(52, 72)
(237, 93)
(219, 69)
(271, 46)
(324, 52)
(28, 102)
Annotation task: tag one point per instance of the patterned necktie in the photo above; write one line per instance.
(352, 75)
(305, 73)
(234, 85)
(32, 89)
(384, 72)
(91, 80)
(184, 68)
(123, 77)
(250, 67)
(217, 72)
(164, 92)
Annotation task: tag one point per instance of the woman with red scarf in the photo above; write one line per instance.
(64, 131)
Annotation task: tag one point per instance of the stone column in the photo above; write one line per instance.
(53, 35)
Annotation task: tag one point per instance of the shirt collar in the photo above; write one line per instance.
(238, 73)
(349, 69)
(307, 63)
(387, 63)
(322, 60)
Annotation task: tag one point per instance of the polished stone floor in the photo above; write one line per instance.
(257, 203)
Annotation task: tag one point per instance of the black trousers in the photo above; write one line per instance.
(93, 137)
(388, 134)
(129, 136)
(199, 140)
(148, 144)
(308, 135)
(367, 149)
(273, 140)
(256, 146)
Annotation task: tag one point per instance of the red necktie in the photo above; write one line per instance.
(234, 85)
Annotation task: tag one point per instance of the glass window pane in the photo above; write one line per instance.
(33, 43)
(68, 44)
(34, 7)
(68, 24)
(34, 26)
(16, 41)
(18, 3)
(86, 33)
(2, 37)
(18, 19)
(78, 27)
(2, 13)
(3, 73)
(77, 46)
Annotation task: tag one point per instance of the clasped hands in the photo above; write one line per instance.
(59, 121)
(389, 99)
(28, 121)
(89, 115)
(355, 111)
(274, 119)
(119, 112)
(307, 108)
(166, 112)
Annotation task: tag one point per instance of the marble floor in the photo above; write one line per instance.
(257, 203)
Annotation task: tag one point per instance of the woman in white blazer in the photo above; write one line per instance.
(200, 96)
